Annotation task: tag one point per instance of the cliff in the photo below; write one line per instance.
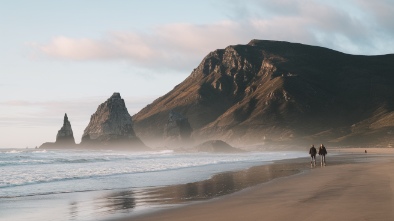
(281, 93)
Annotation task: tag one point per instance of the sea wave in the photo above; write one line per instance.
(33, 158)
(53, 173)
(12, 151)
(54, 169)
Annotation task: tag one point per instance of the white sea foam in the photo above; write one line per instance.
(13, 151)
(33, 172)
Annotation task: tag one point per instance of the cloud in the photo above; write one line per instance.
(173, 46)
(357, 27)
(380, 16)
(114, 46)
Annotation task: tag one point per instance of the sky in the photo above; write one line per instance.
(70, 56)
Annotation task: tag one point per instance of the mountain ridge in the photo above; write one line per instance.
(272, 91)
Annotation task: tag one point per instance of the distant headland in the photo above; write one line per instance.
(276, 93)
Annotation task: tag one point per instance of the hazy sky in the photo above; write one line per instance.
(69, 56)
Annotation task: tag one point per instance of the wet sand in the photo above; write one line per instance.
(353, 186)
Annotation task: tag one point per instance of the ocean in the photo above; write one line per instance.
(61, 185)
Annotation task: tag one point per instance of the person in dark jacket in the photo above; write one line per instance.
(312, 152)
(322, 153)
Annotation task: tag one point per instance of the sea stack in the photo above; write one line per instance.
(111, 127)
(65, 134)
(64, 137)
(178, 127)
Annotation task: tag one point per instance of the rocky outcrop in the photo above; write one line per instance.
(177, 127)
(216, 146)
(65, 134)
(281, 93)
(111, 127)
(64, 137)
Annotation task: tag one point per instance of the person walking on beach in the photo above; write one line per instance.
(312, 152)
(322, 153)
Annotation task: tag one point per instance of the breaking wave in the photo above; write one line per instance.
(31, 172)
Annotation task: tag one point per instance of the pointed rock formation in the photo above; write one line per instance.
(111, 127)
(65, 134)
(64, 137)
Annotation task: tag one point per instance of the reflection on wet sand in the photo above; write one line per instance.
(73, 213)
(223, 183)
(126, 201)
(121, 201)
(115, 202)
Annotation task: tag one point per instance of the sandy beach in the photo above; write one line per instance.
(353, 186)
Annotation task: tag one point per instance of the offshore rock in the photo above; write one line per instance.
(65, 134)
(177, 127)
(64, 137)
(111, 127)
(216, 146)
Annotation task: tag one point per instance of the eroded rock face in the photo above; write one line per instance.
(111, 127)
(64, 137)
(286, 93)
(177, 127)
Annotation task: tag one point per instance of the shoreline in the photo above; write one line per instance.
(239, 204)
(117, 196)
(220, 185)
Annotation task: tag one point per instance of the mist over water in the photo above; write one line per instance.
(58, 176)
